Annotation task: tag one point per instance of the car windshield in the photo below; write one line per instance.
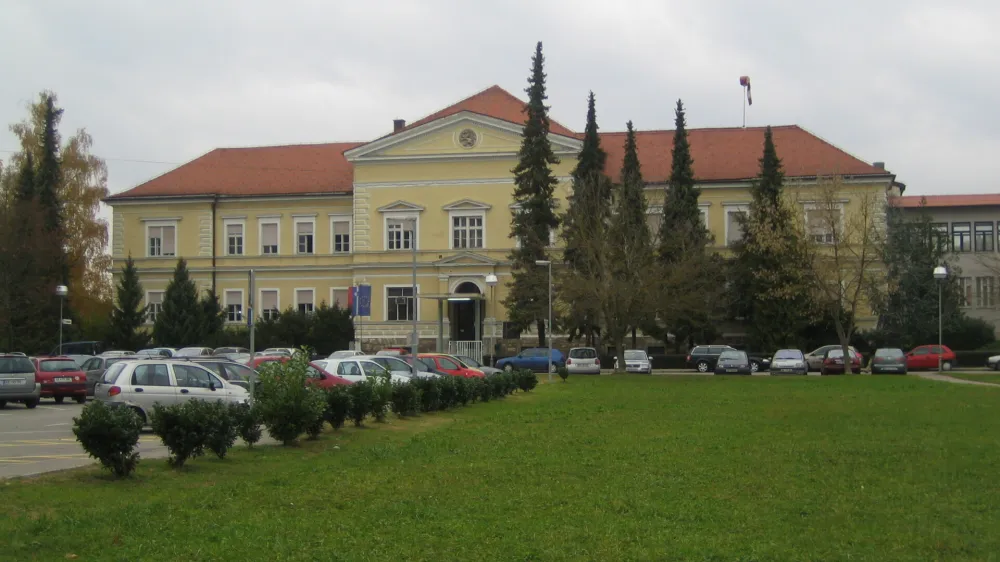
(635, 355)
(11, 365)
(469, 362)
(112, 373)
(394, 364)
(788, 354)
(731, 355)
(59, 365)
(584, 353)
(277, 352)
(889, 353)
(835, 353)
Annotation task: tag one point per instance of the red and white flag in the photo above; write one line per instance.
(745, 82)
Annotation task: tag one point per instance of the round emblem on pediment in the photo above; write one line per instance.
(468, 138)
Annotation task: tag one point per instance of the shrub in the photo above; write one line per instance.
(222, 426)
(361, 394)
(512, 385)
(430, 392)
(463, 390)
(449, 392)
(526, 379)
(247, 420)
(381, 396)
(288, 406)
(110, 435)
(405, 399)
(181, 428)
(563, 373)
(314, 429)
(498, 385)
(338, 406)
(485, 390)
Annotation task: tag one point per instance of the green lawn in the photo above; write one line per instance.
(601, 468)
(992, 377)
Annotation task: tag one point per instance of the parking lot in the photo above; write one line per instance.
(42, 440)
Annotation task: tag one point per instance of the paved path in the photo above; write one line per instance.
(946, 378)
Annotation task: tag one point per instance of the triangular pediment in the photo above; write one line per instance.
(400, 206)
(459, 136)
(467, 205)
(466, 258)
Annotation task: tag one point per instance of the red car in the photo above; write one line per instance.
(256, 362)
(833, 363)
(450, 365)
(319, 377)
(61, 377)
(926, 357)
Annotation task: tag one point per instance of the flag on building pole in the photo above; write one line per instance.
(745, 82)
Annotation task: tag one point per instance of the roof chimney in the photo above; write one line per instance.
(879, 165)
(398, 125)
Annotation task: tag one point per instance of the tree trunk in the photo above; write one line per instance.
(634, 345)
(619, 352)
(541, 333)
(845, 346)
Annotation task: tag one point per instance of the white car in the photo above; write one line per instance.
(356, 370)
(140, 384)
(397, 366)
(345, 354)
(994, 362)
(636, 361)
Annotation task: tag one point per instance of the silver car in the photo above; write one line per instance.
(346, 354)
(473, 364)
(17, 381)
(636, 361)
(583, 361)
(815, 358)
(356, 370)
(140, 384)
(789, 362)
(395, 365)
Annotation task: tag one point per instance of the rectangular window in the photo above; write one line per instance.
(154, 305)
(961, 237)
(268, 238)
(234, 306)
(234, 239)
(399, 233)
(399, 303)
(984, 236)
(304, 300)
(341, 236)
(965, 285)
(269, 304)
(985, 289)
(653, 221)
(162, 241)
(338, 297)
(939, 232)
(734, 228)
(467, 231)
(819, 225)
(304, 236)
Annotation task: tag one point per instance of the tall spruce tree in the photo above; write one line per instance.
(769, 281)
(129, 313)
(534, 183)
(682, 229)
(179, 322)
(26, 188)
(591, 198)
(49, 174)
(213, 318)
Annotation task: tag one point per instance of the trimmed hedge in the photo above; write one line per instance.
(110, 435)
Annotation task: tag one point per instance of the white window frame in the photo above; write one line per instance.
(157, 224)
(259, 311)
(350, 233)
(968, 288)
(225, 236)
(295, 231)
(703, 209)
(400, 216)
(732, 209)
(514, 209)
(385, 301)
(452, 215)
(311, 289)
(226, 303)
(145, 318)
(985, 298)
(332, 289)
(820, 207)
(260, 235)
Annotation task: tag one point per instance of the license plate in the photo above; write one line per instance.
(731, 370)
(11, 382)
(64, 379)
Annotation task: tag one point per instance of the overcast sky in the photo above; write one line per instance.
(911, 83)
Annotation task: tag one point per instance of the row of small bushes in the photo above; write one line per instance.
(286, 405)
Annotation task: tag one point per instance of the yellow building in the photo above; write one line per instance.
(314, 220)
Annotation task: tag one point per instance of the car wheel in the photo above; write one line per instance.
(946, 366)
(58, 399)
(754, 367)
(80, 399)
(139, 413)
(702, 367)
(508, 367)
(30, 404)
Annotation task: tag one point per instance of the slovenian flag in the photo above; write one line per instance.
(745, 82)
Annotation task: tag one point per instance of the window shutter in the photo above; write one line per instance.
(155, 298)
(234, 230)
(305, 296)
(233, 297)
(304, 227)
(168, 240)
(269, 234)
(341, 227)
(269, 300)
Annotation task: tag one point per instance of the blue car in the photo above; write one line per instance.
(534, 358)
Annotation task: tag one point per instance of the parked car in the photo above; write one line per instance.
(450, 365)
(733, 362)
(816, 357)
(319, 376)
(237, 354)
(534, 358)
(117, 353)
(345, 354)
(61, 378)
(423, 365)
(393, 351)
(256, 362)
(156, 352)
(833, 363)
(888, 360)
(926, 357)
(397, 366)
(582, 361)
(140, 384)
(478, 365)
(355, 370)
(94, 368)
(702, 358)
(636, 361)
(194, 352)
(17, 381)
(289, 351)
(89, 348)
(231, 371)
(789, 362)
(993, 362)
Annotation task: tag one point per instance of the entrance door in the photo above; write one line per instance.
(462, 313)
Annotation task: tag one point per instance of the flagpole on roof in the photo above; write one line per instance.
(747, 100)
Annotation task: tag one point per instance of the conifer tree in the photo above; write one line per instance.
(129, 312)
(535, 217)
(179, 322)
(213, 317)
(49, 173)
(682, 229)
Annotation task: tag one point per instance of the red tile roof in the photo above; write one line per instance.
(968, 200)
(266, 170)
(734, 154)
(493, 102)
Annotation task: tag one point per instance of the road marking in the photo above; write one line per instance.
(29, 458)
(57, 424)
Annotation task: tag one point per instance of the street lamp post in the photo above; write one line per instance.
(415, 342)
(549, 326)
(491, 281)
(941, 274)
(62, 291)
